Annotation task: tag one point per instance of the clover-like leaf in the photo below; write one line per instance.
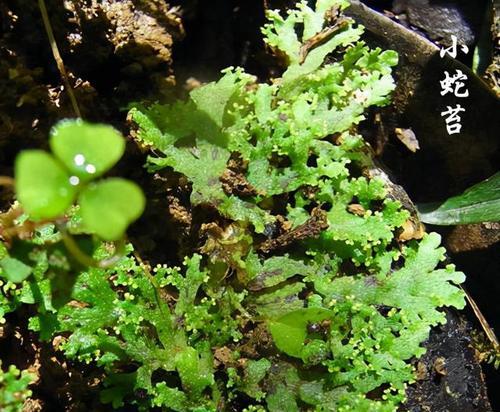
(109, 206)
(42, 185)
(87, 150)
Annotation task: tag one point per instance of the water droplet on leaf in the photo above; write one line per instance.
(74, 180)
(90, 169)
(79, 159)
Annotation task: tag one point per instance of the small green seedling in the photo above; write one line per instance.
(48, 184)
(14, 388)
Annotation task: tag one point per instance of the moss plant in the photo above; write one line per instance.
(14, 388)
(315, 255)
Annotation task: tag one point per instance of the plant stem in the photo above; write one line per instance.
(86, 260)
(490, 334)
(154, 283)
(57, 57)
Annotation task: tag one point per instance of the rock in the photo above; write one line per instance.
(440, 20)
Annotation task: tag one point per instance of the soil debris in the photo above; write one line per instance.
(234, 181)
(412, 229)
(258, 341)
(408, 138)
(310, 229)
(356, 209)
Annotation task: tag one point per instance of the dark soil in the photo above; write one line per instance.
(449, 378)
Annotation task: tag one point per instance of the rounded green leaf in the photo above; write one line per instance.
(43, 187)
(109, 206)
(290, 330)
(14, 270)
(87, 150)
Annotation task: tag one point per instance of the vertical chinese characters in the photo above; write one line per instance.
(454, 84)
